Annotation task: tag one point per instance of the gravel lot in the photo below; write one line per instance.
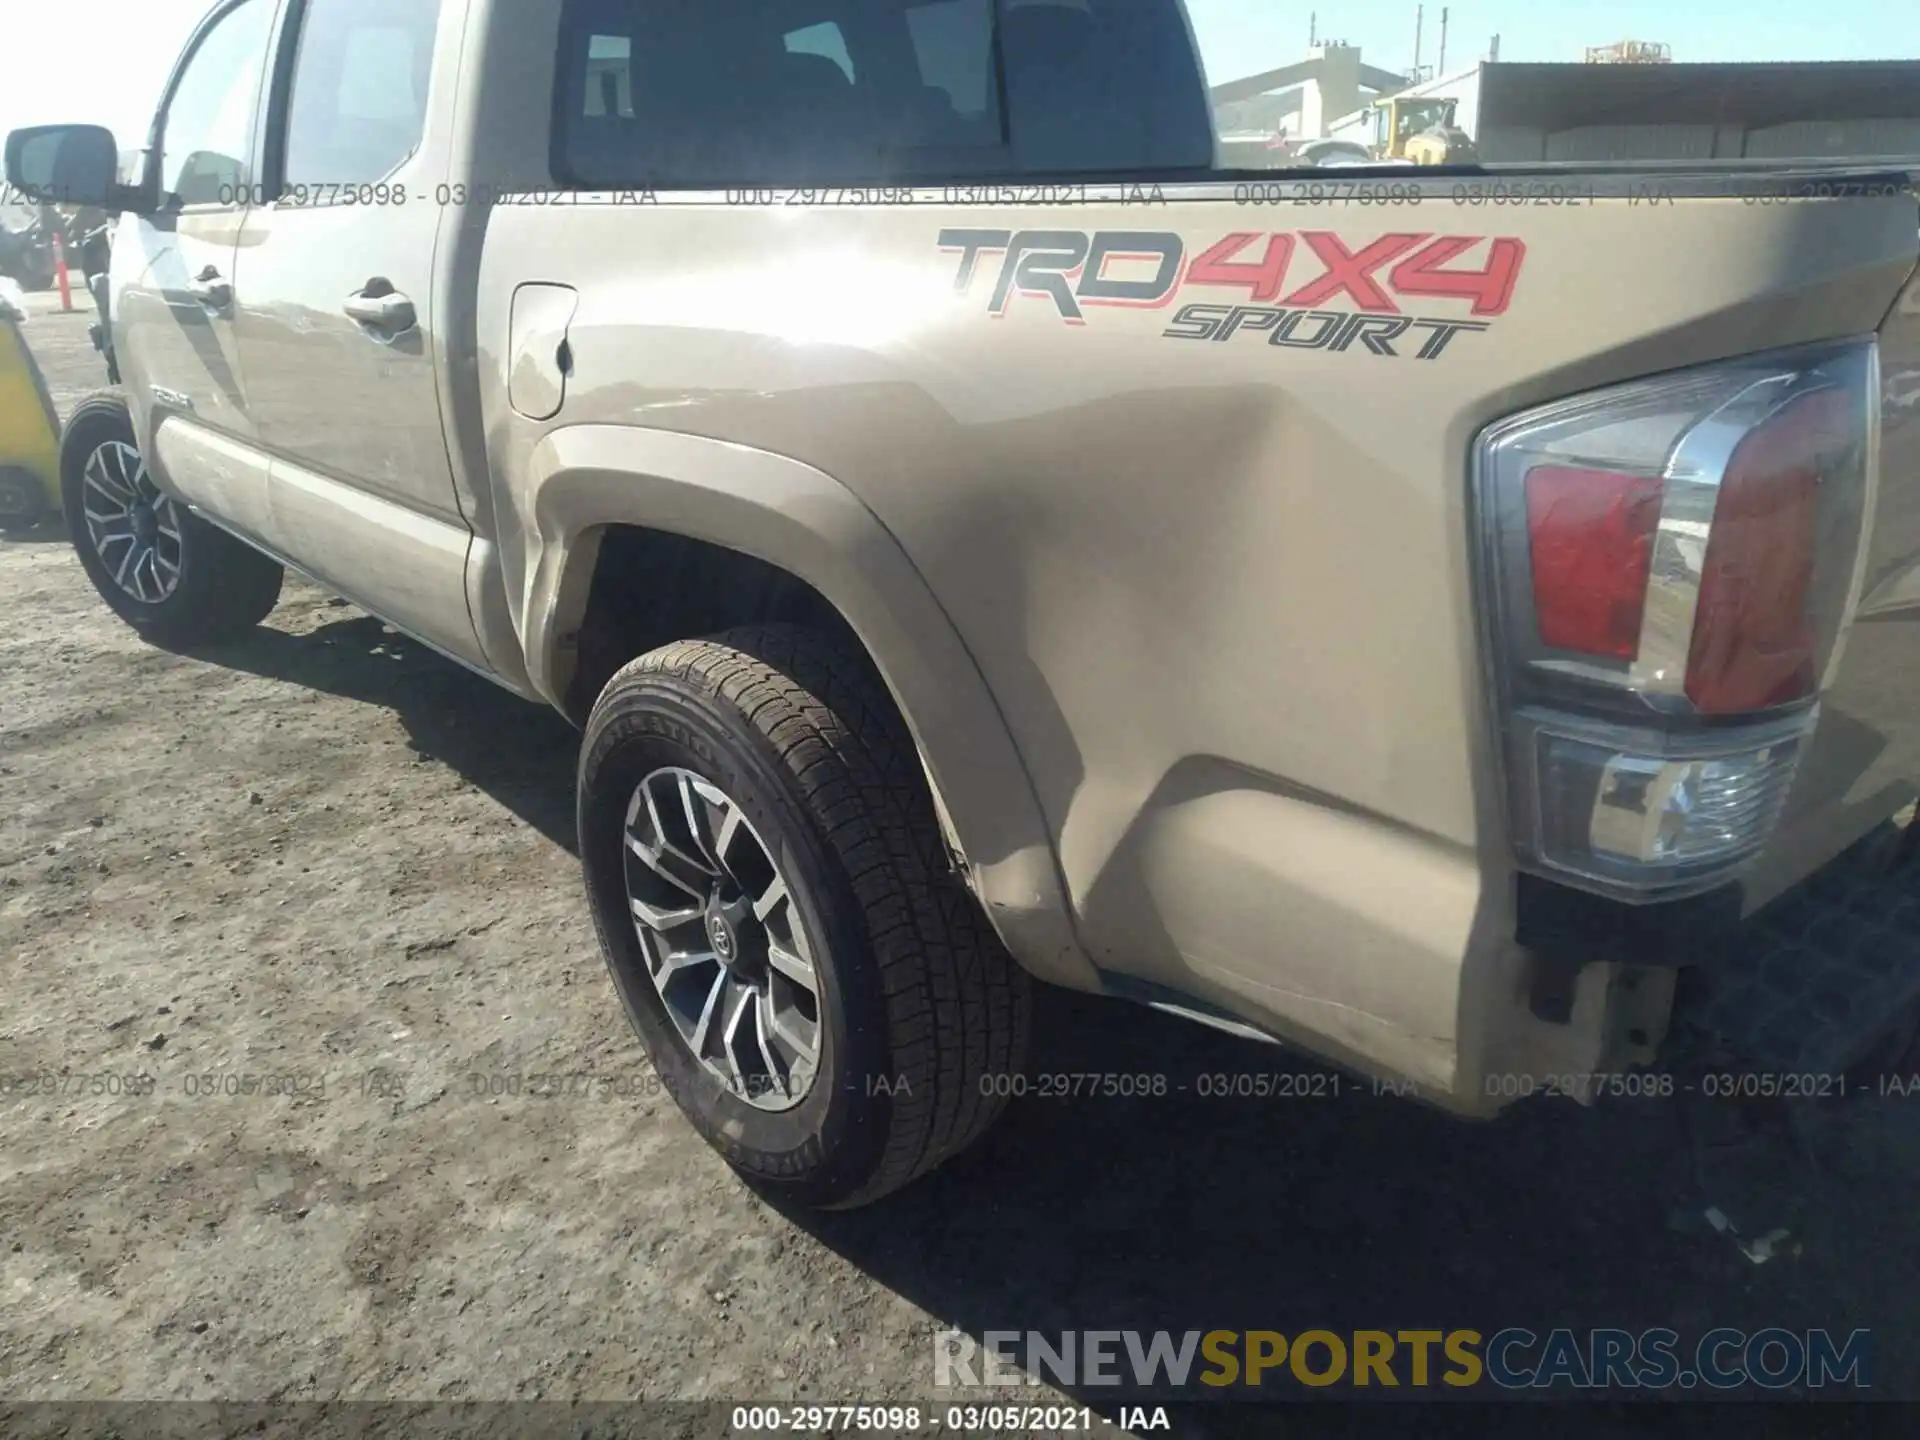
(328, 859)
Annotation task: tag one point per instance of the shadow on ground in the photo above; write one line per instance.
(47, 532)
(1193, 1213)
(1186, 1211)
(519, 753)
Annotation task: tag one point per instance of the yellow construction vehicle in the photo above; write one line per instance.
(1420, 129)
(29, 431)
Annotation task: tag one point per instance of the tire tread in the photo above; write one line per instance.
(958, 1008)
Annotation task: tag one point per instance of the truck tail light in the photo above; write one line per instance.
(1590, 535)
(1753, 645)
(1667, 571)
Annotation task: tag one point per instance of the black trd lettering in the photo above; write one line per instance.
(1097, 288)
(1257, 318)
(1040, 262)
(1329, 323)
(1444, 331)
(1205, 320)
(972, 244)
(1376, 332)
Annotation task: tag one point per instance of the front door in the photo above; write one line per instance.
(174, 274)
(336, 319)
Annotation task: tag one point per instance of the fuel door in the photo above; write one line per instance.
(539, 359)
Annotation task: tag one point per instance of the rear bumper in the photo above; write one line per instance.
(1406, 963)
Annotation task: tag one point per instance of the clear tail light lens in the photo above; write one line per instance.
(1617, 814)
(1668, 567)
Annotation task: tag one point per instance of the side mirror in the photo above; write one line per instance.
(68, 165)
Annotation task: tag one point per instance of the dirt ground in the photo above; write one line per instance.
(314, 899)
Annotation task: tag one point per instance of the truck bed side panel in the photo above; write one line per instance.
(1218, 583)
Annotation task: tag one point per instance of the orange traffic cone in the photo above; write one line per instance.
(60, 272)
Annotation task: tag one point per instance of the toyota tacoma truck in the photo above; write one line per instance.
(1421, 619)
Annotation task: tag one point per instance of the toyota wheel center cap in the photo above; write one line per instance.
(721, 933)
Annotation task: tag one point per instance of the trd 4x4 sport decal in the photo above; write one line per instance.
(1149, 269)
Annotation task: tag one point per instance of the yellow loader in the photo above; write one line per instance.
(29, 429)
(1420, 129)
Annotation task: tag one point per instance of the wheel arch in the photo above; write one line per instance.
(632, 497)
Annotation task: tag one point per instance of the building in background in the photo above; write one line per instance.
(1631, 103)
(1629, 52)
(1865, 109)
(1295, 103)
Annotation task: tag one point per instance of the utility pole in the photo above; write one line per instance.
(1440, 66)
(1313, 30)
(1419, 23)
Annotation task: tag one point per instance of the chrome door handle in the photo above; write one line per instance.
(210, 290)
(380, 307)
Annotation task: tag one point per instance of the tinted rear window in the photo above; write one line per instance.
(690, 94)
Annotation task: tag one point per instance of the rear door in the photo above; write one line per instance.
(337, 330)
(175, 272)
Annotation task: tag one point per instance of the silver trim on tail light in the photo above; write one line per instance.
(1690, 493)
(1604, 755)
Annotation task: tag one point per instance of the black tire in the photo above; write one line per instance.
(922, 1012)
(225, 586)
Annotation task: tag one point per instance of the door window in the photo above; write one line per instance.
(953, 45)
(206, 137)
(696, 94)
(700, 94)
(359, 101)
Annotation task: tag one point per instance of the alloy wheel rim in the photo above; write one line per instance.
(134, 528)
(723, 945)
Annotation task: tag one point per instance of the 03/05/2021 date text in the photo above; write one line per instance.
(929, 1419)
(1089, 1085)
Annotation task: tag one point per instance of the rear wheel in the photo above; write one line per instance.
(174, 577)
(823, 1001)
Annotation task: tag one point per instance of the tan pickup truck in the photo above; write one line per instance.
(1413, 617)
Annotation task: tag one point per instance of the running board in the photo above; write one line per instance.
(1187, 1007)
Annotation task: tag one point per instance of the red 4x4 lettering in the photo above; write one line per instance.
(1491, 289)
(1351, 271)
(1069, 268)
(1264, 278)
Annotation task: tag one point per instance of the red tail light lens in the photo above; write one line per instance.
(1753, 638)
(1590, 533)
(1669, 569)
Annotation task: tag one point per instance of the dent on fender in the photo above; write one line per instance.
(585, 477)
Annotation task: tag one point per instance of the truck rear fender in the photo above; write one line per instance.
(583, 479)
